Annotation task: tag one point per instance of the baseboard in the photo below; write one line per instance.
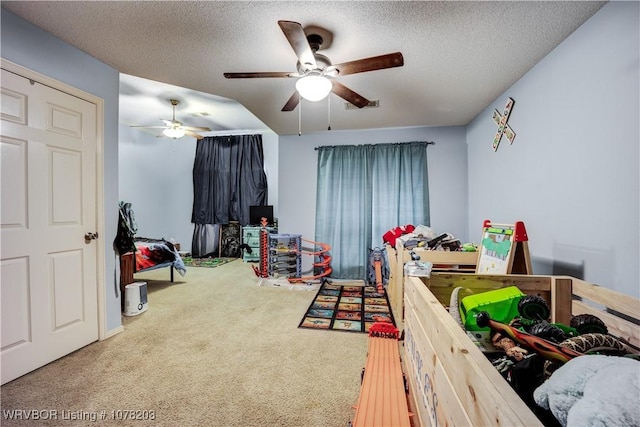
(113, 332)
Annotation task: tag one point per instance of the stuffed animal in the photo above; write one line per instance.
(509, 346)
(593, 390)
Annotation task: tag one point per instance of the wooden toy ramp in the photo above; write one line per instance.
(383, 398)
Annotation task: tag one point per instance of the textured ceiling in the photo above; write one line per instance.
(458, 56)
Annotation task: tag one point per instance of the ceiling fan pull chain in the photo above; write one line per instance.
(329, 112)
(300, 119)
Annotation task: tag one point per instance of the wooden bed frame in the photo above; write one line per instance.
(128, 269)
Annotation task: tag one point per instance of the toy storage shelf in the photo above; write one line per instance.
(451, 381)
(284, 255)
(251, 237)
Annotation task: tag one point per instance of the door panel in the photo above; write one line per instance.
(66, 290)
(66, 174)
(49, 272)
(16, 304)
(13, 174)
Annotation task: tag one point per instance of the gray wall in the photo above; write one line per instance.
(447, 163)
(572, 173)
(155, 177)
(37, 50)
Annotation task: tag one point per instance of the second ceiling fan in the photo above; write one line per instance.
(316, 72)
(176, 129)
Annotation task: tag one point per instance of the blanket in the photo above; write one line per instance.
(593, 390)
(152, 253)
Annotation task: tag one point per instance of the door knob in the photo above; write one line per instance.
(90, 236)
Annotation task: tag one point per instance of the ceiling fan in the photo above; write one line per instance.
(174, 128)
(316, 73)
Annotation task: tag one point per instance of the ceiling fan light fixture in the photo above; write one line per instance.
(174, 132)
(313, 87)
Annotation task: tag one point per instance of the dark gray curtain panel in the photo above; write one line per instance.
(205, 241)
(228, 177)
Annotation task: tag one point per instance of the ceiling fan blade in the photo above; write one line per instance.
(348, 95)
(150, 127)
(206, 129)
(259, 75)
(298, 40)
(292, 103)
(370, 64)
(193, 134)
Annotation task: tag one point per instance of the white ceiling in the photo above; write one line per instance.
(458, 56)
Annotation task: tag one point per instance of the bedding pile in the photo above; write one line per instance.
(422, 236)
(153, 253)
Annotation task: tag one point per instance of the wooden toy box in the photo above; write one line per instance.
(441, 260)
(451, 381)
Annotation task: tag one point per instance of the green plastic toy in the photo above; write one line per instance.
(501, 304)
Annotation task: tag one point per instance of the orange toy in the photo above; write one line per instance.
(324, 262)
(383, 398)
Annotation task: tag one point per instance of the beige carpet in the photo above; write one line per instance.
(213, 349)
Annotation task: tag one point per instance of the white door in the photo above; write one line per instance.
(48, 288)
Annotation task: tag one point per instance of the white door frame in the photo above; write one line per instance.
(99, 103)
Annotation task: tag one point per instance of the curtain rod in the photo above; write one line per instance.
(427, 142)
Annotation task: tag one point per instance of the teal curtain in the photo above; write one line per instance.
(363, 191)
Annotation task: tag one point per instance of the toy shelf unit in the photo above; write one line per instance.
(251, 238)
(284, 255)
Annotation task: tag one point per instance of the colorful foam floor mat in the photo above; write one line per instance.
(347, 308)
(206, 262)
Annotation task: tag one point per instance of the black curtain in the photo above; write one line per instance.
(228, 177)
